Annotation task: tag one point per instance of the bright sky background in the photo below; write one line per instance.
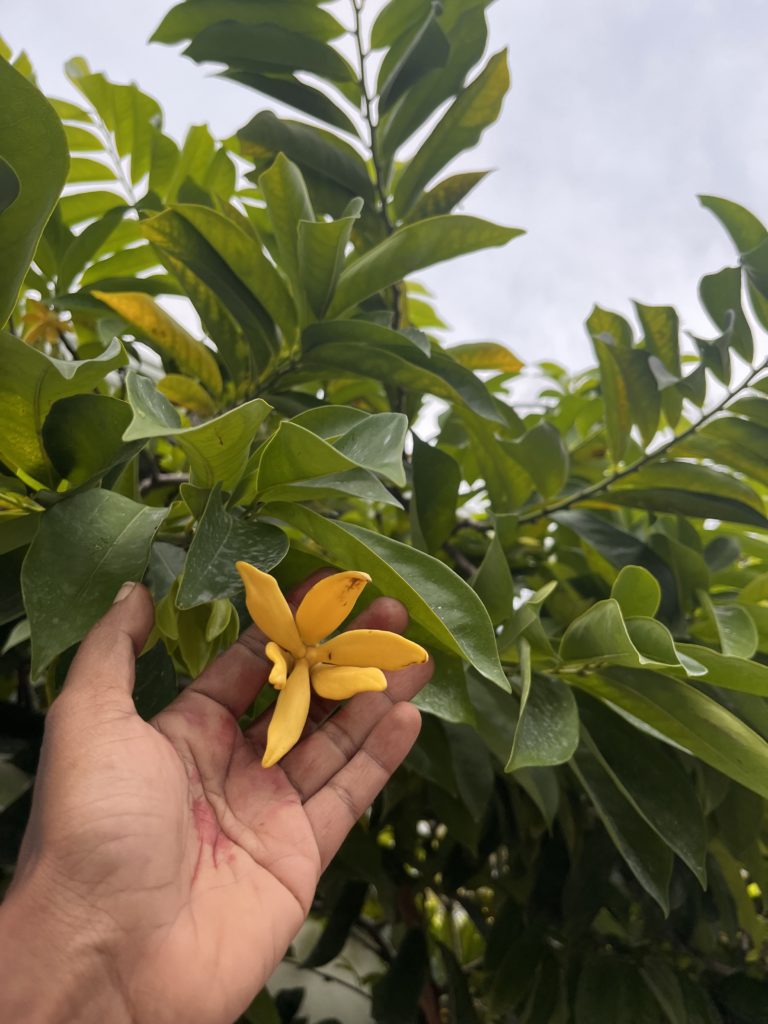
(619, 114)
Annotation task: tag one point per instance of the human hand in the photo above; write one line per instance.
(164, 872)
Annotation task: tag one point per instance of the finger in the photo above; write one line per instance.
(105, 663)
(325, 751)
(237, 676)
(383, 613)
(343, 800)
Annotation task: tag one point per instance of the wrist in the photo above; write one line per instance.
(53, 967)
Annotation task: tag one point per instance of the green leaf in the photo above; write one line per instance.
(396, 995)
(413, 248)
(353, 483)
(288, 204)
(688, 718)
(86, 245)
(721, 297)
(436, 598)
(600, 635)
(217, 450)
(637, 592)
(244, 259)
(86, 547)
(161, 331)
(547, 730)
(313, 149)
(735, 627)
(609, 332)
(290, 90)
(611, 989)
(744, 228)
(427, 48)
(435, 492)
(358, 352)
(733, 673)
(10, 186)
(227, 308)
(83, 169)
(647, 856)
(652, 780)
(268, 47)
(220, 540)
(28, 127)
(493, 582)
(460, 128)
(689, 489)
(445, 196)
(83, 436)
(542, 453)
(732, 442)
(185, 20)
(30, 382)
(322, 248)
(345, 913)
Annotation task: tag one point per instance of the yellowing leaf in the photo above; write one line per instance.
(166, 334)
(486, 355)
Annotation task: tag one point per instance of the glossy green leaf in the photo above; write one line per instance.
(610, 989)
(721, 296)
(28, 127)
(85, 548)
(83, 436)
(445, 196)
(161, 331)
(435, 491)
(493, 582)
(610, 332)
(688, 718)
(647, 855)
(30, 382)
(689, 489)
(322, 249)
(637, 592)
(733, 673)
(288, 204)
(220, 540)
(295, 93)
(313, 149)
(436, 598)
(268, 47)
(185, 20)
(427, 48)
(460, 128)
(600, 635)
(653, 780)
(352, 483)
(217, 450)
(83, 249)
(413, 248)
(733, 442)
(744, 228)
(542, 453)
(547, 730)
(735, 627)
(155, 685)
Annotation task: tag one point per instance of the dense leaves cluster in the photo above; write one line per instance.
(579, 833)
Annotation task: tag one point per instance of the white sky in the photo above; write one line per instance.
(619, 114)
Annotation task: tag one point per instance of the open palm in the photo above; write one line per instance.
(176, 852)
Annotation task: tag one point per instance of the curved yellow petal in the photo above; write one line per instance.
(339, 683)
(269, 609)
(290, 714)
(328, 603)
(369, 647)
(282, 663)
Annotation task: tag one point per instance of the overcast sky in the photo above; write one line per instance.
(619, 114)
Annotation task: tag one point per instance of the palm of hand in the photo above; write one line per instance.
(184, 855)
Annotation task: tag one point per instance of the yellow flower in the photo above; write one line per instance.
(304, 659)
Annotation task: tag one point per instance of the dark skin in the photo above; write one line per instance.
(164, 872)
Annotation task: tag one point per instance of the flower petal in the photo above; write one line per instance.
(282, 664)
(328, 603)
(369, 647)
(269, 609)
(339, 683)
(290, 714)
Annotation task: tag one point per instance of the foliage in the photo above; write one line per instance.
(579, 833)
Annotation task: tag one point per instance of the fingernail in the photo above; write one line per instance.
(124, 591)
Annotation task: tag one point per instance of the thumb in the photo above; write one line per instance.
(106, 661)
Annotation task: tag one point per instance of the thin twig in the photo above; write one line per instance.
(603, 485)
(155, 480)
(327, 977)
